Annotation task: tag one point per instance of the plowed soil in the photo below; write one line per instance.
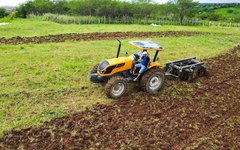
(93, 36)
(208, 116)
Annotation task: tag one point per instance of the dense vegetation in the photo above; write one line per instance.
(110, 8)
(217, 12)
(144, 9)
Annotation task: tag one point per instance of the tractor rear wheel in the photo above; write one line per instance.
(152, 81)
(94, 69)
(116, 87)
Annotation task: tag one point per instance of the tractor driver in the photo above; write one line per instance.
(136, 58)
(142, 65)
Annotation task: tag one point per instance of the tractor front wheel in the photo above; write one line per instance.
(152, 81)
(94, 69)
(116, 87)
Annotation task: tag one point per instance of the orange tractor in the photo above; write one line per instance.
(116, 72)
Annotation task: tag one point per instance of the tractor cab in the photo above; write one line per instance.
(149, 46)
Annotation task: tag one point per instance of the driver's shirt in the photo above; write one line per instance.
(145, 60)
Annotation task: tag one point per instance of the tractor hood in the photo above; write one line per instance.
(116, 61)
(115, 65)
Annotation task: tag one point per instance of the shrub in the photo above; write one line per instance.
(3, 12)
(214, 17)
(237, 19)
(230, 11)
(203, 16)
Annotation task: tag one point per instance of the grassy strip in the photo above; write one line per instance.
(37, 27)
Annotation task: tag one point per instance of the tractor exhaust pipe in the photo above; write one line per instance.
(119, 47)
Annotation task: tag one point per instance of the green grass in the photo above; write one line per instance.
(8, 18)
(44, 81)
(37, 27)
(224, 12)
(229, 14)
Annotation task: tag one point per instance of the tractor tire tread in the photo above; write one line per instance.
(144, 79)
(113, 81)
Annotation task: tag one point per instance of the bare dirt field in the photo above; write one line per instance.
(206, 117)
(93, 36)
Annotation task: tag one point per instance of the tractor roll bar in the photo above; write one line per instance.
(119, 47)
(155, 57)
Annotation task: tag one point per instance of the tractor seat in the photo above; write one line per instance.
(149, 64)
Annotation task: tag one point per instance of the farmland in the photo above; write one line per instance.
(46, 96)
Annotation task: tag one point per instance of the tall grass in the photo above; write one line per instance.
(64, 19)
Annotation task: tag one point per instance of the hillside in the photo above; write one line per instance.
(228, 12)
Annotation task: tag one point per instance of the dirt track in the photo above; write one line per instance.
(207, 117)
(93, 36)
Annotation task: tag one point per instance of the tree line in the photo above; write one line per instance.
(110, 8)
(145, 9)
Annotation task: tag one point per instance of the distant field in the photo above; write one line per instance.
(37, 27)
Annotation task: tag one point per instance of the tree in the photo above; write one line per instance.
(24, 9)
(61, 7)
(37, 7)
(185, 9)
(43, 6)
(3, 12)
(143, 8)
(168, 9)
(214, 17)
